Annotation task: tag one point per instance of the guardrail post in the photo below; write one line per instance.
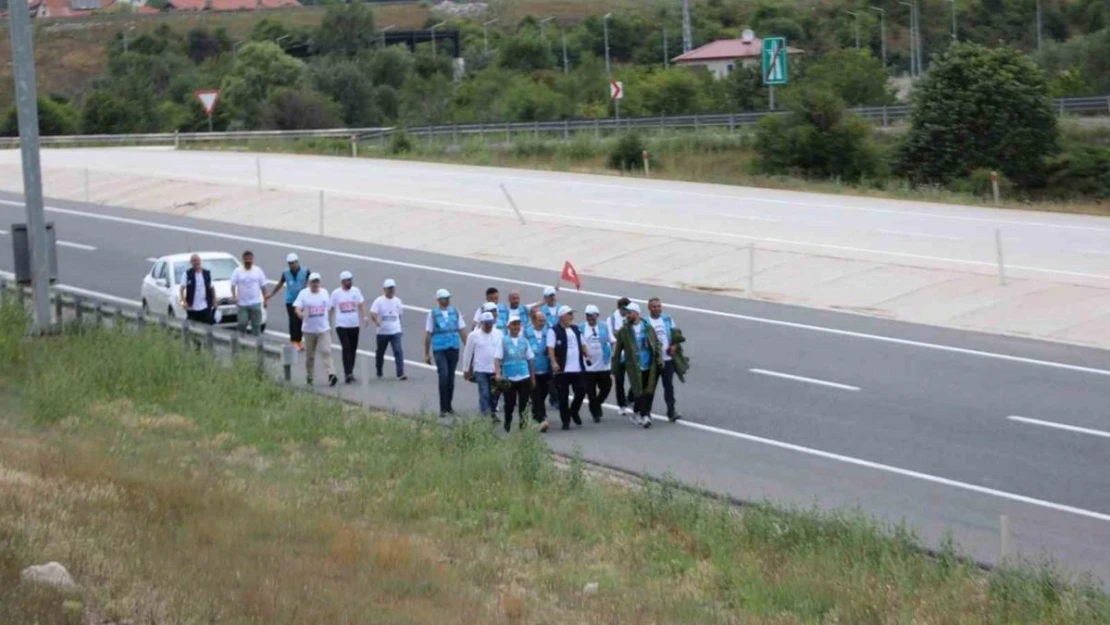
(566, 130)
(288, 357)
(509, 132)
(79, 309)
(140, 319)
(455, 134)
(98, 314)
(597, 128)
(185, 333)
(210, 339)
(235, 345)
(731, 122)
(536, 129)
(481, 130)
(58, 308)
(885, 122)
(354, 146)
(1108, 104)
(1061, 101)
(695, 121)
(261, 347)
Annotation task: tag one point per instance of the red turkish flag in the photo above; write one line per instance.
(571, 276)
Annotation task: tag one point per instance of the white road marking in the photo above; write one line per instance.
(744, 217)
(798, 378)
(3, 233)
(609, 203)
(486, 277)
(901, 233)
(1095, 252)
(1061, 426)
(1041, 503)
(77, 246)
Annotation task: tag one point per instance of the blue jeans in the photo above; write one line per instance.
(394, 341)
(447, 360)
(486, 404)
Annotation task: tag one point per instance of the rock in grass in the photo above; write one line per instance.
(591, 588)
(50, 574)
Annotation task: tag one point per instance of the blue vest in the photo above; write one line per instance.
(551, 313)
(668, 326)
(603, 336)
(645, 345)
(445, 332)
(294, 284)
(503, 312)
(541, 363)
(514, 357)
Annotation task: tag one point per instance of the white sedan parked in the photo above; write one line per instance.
(162, 285)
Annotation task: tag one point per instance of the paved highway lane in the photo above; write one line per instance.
(906, 421)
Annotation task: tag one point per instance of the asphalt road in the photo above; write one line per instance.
(802, 406)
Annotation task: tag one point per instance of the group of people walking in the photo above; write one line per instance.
(521, 358)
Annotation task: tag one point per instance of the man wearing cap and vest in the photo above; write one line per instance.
(568, 362)
(444, 334)
(514, 306)
(313, 305)
(198, 297)
(349, 310)
(294, 279)
(483, 347)
(550, 306)
(493, 296)
(516, 372)
(638, 342)
(536, 334)
(665, 330)
(615, 322)
(598, 343)
(386, 314)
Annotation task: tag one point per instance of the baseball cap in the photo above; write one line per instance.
(514, 317)
(389, 284)
(486, 317)
(291, 258)
(489, 306)
(592, 310)
(549, 291)
(346, 275)
(313, 277)
(443, 294)
(633, 307)
(564, 310)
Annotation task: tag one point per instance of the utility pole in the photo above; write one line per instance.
(23, 61)
(543, 34)
(666, 51)
(882, 31)
(913, 40)
(855, 14)
(433, 29)
(917, 30)
(566, 64)
(485, 34)
(605, 27)
(955, 36)
(1040, 27)
(687, 33)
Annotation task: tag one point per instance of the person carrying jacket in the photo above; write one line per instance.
(640, 346)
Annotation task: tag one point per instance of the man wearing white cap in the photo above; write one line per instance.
(638, 341)
(515, 367)
(550, 306)
(492, 303)
(479, 363)
(615, 323)
(536, 334)
(312, 306)
(564, 348)
(386, 314)
(444, 334)
(349, 310)
(598, 342)
(294, 279)
(488, 307)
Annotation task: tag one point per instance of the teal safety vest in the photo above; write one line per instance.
(540, 362)
(445, 332)
(645, 344)
(503, 312)
(551, 313)
(603, 336)
(294, 284)
(514, 357)
(668, 326)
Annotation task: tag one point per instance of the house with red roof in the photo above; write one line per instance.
(720, 57)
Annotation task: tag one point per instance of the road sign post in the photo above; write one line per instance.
(774, 65)
(616, 94)
(208, 99)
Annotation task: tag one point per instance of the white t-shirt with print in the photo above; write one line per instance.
(345, 303)
(388, 310)
(661, 332)
(249, 284)
(315, 306)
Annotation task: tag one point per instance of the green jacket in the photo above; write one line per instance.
(681, 361)
(626, 344)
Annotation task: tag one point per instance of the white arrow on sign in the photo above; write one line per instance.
(616, 90)
(208, 100)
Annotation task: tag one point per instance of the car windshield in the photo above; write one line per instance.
(221, 268)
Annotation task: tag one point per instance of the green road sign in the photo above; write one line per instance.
(774, 61)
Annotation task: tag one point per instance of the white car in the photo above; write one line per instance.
(161, 291)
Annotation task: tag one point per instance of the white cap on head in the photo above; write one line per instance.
(514, 317)
(633, 307)
(346, 275)
(564, 310)
(443, 294)
(486, 317)
(291, 258)
(592, 310)
(314, 277)
(549, 291)
(389, 284)
(489, 306)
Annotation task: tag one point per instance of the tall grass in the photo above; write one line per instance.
(302, 483)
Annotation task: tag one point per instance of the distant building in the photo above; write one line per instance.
(231, 5)
(720, 57)
(85, 8)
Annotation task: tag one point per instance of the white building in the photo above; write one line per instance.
(720, 57)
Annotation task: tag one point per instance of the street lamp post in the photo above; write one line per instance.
(882, 31)
(856, 15)
(566, 63)
(666, 51)
(917, 32)
(955, 36)
(605, 27)
(485, 34)
(433, 29)
(1040, 26)
(543, 33)
(382, 31)
(913, 39)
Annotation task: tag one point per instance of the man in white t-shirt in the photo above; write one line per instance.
(248, 290)
(349, 310)
(483, 348)
(598, 344)
(568, 362)
(664, 326)
(386, 314)
(312, 306)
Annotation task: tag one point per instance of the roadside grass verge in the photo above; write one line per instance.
(176, 489)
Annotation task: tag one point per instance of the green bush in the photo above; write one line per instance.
(55, 118)
(400, 143)
(978, 183)
(628, 153)
(1079, 172)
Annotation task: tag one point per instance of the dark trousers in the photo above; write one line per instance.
(199, 316)
(644, 401)
(348, 340)
(668, 387)
(618, 383)
(447, 360)
(568, 410)
(295, 334)
(394, 341)
(598, 385)
(516, 398)
(539, 396)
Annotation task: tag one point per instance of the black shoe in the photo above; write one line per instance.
(403, 378)
(350, 380)
(566, 426)
(577, 419)
(333, 380)
(674, 418)
(597, 418)
(309, 381)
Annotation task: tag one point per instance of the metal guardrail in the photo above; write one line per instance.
(881, 115)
